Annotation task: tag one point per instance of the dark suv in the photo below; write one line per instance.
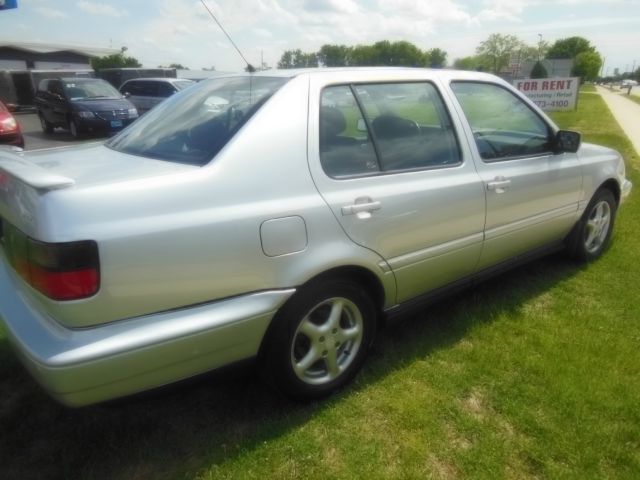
(82, 105)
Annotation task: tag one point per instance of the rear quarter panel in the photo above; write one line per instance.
(193, 237)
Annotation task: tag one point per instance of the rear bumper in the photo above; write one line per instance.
(83, 366)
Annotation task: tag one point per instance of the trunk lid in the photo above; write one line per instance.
(27, 177)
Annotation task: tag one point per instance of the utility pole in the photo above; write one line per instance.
(539, 46)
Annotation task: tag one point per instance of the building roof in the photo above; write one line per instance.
(52, 47)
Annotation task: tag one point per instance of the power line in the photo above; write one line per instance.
(250, 67)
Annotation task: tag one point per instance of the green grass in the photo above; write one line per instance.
(588, 88)
(535, 374)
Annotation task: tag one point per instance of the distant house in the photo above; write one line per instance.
(23, 65)
(40, 56)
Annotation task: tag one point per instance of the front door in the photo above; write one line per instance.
(532, 192)
(387, 159)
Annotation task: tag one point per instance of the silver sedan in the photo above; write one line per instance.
(283, 216)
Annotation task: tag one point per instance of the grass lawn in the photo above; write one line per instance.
(535, 374)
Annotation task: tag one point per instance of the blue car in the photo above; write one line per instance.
(83, 106)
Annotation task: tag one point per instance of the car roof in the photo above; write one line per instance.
(76, 79)
(158, 79)
(363, 72)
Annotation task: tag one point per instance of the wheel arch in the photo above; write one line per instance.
(612, 185)
(372, 284)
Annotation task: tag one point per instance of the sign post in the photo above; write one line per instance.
(551, 94)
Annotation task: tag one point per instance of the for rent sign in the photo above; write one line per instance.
(551, 94)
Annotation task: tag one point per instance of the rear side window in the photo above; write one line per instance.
(165, 89)
(389, 127)
(503, 125)
(192, 126)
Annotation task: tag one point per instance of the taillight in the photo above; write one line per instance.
(61, 271)
(7, 123)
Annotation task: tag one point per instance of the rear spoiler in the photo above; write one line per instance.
(30, 173)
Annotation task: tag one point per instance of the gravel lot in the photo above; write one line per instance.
(36, 139)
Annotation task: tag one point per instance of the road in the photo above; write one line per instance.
(36, 139)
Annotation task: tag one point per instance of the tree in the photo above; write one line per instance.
(363, 55)
(587, 65)
(297, 59)
(497, 49)
(436, 58)
(334, 55)
(569, 47)
(470, 63)
(538, 71)
(117, 60)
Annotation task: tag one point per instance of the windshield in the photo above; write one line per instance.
(193, 125)
(84, 89)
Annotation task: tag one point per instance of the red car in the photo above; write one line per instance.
(10, 133)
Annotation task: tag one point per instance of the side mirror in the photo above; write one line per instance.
(567, 141)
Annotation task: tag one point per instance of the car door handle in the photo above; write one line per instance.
(499, 184)
(361, 207)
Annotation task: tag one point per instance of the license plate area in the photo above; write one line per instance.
(116, 123)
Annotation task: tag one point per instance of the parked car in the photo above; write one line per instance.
(146, 93)
(82, 105)
(282, 216)
(10, 133)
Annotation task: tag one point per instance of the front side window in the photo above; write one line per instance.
(193, 125)
(371, 128)
(502, 124)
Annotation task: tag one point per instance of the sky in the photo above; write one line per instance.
(161, 32)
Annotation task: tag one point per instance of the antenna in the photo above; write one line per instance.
(250, 68)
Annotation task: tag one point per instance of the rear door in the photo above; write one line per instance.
(386, 158)
(532, 192)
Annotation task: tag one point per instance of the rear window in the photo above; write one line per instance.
(193, 125)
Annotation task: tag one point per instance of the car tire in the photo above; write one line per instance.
(319, 340)
(44, 124)
(592, 234)
(73, 129)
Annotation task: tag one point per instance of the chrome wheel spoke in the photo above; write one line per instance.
(331, 360)
(311, 357)
(592, 229)
(336, 313)
(310, 329)
(346, 334)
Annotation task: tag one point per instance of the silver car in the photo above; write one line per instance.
(146, 93)
(283, 216)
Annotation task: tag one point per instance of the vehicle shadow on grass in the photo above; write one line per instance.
(180, 431)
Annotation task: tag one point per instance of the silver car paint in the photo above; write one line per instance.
(172, 237)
